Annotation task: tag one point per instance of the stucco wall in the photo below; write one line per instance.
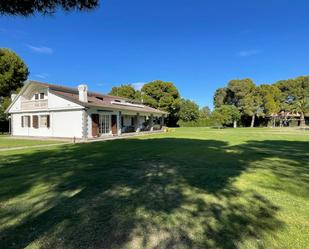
(56, 102)
(17, 105)
(62, 124)
(67, 124)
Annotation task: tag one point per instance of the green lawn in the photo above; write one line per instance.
(188, 188)
(10, 142)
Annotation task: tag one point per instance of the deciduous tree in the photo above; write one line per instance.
(189, 110)
(251, 105)
(241, 94)
(220, 96)
(163, 95)
(13, 72)
(205, 112)
(227, 115)
(4, 104)
(126, 91)
(295, 95)
(271, 96)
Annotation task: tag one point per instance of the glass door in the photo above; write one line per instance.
(105, 127)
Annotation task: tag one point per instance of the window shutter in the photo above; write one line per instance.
(35, 121)
(48, 120)
(29, 125)
(22, 121)
(95, 124)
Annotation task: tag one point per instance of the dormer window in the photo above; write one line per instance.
(38, 96)
(100, 98)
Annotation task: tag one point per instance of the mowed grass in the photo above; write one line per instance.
(11, 142)
(188, 188)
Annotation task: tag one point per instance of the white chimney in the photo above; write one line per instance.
(13, 96)
(82, 93)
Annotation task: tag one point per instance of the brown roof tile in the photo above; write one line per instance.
(97, 99)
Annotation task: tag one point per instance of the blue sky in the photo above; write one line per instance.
(199, 45)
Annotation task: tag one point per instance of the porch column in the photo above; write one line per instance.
(119, 124)
(136, 125)
(151, 122)
(162, 121)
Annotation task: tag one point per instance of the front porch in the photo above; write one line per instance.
(122, 136)
(106, 124)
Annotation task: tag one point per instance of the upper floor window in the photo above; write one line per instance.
(38, 96)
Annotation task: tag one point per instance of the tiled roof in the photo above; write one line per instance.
(98, 100)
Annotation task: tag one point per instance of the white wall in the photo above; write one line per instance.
(56, 102)
(17, 130)
(62, 124)
(17, 105)
(67, 123)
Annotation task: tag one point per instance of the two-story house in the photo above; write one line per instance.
(48, 110)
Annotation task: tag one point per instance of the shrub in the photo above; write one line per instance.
(203, 122)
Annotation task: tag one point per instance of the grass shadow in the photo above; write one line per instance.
(153, 193)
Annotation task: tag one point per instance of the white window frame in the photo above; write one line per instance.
(25, 121)
(105, 123)
(43, 124)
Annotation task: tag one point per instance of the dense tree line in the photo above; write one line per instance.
(241, 102)
(265, 101)
(166, 97)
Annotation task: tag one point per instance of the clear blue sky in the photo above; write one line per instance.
(197, 44)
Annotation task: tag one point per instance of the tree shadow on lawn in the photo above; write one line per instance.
(153, 193)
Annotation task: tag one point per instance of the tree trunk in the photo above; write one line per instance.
(302, 119)
(252, 121)
(235, 124)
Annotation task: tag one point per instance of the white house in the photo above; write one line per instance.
(48, 110)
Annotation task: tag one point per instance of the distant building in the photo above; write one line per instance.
(284, 118)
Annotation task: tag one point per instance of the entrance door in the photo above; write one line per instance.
(105, 122)
(114, 124)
